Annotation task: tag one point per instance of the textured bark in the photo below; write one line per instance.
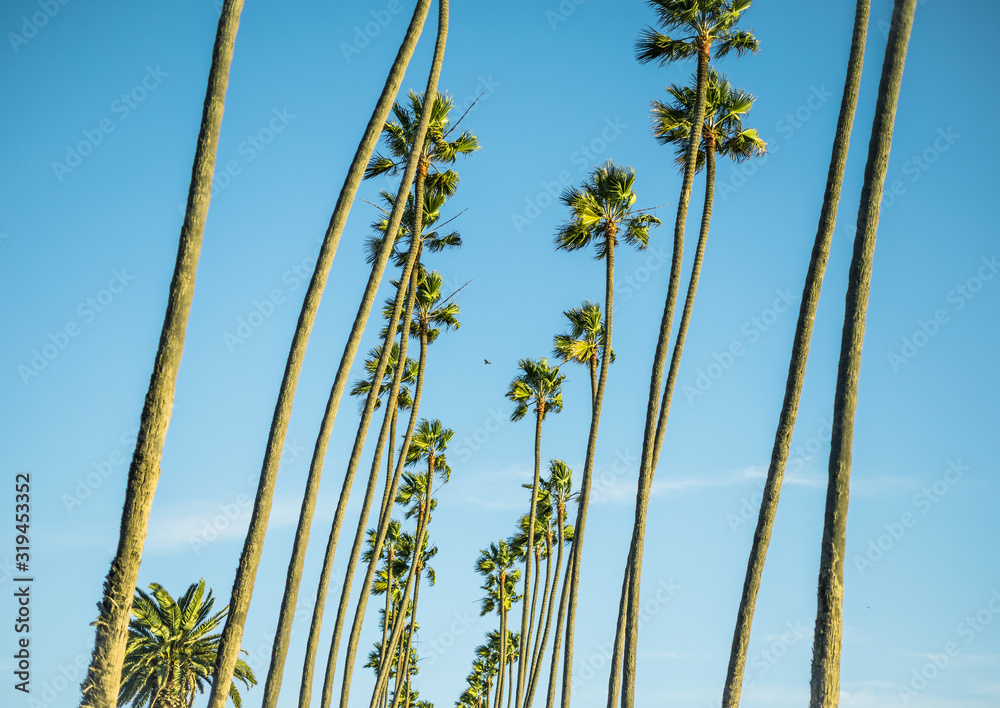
(529, 553)
(550, 697)
(544, 620)
(239, 603)
(647, 465)
(575, 559)
(797, 366)
(825, 683)
(103, 680)
(404, 670)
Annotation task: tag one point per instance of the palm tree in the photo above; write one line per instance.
(557, 487)
(797, 366)
(427, 315)
(601, 212)
(171, 652)
(100, 687)
(538, 387)
(701, 29)
(496, 563)
(722, 134)
(429, 443)
(825, 683)
(418, 564)
(584, 341)
(246, 571)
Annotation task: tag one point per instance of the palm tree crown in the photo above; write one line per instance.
(537, 385)
(704, 26)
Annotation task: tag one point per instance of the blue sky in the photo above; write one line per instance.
(87, 244)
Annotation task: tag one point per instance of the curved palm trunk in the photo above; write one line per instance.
(405, 660)
(501, 674)
(550, 698)
(103, 681)
(647, 465)
(825, 683)
(797, 366)
(548, 602)
(526, 664)
(359, 534)
(542, 609)
(529, 552)
(431, 91)
(239, 603)
(576, 559)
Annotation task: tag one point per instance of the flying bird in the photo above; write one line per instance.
(487, 361)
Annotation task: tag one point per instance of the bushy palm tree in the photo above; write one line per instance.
(101, 684)
(171, 650)
(497, 565)
(602, 211)
(584, 342)
(825, 680)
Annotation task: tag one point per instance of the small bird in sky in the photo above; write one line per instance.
(487, 361)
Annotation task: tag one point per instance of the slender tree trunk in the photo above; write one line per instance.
(560, 616)
(548, 602)
(542, 609)
(103, 681)
(825, 683)
(510, 691)
(405, 662)
(526, 664)
(360, 531)
(503, 645)
(797, 366)
(647, 465)
(529, 553)
(429, 94)
(576, 559)
(239, 604)
(592, 365)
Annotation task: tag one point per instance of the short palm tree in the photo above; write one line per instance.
(497, 565)
(602, 211)
(584, 342)
(171, 650)
(825, 680)
(538, 388)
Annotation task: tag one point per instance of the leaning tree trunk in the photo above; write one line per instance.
(544, 620)
(239, 604)
(501, 675)
(529, 552)
(550, 697)
(797, 366)
(404, 673)
(647, 465)
(825, 683)
(103, 681)
(576, 556)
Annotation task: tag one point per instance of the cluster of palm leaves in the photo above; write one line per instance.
(165, 654)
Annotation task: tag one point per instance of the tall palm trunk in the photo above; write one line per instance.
(560, 616)
(103, 681)
(405, 656)
(797, 366)
(545, 620)
(647, 465)
(575, 558)
(529, 552)
(246, 572)
(503, 644)
(825, 683)
(360, 532)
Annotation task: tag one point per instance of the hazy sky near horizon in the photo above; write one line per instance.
(103, 110)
